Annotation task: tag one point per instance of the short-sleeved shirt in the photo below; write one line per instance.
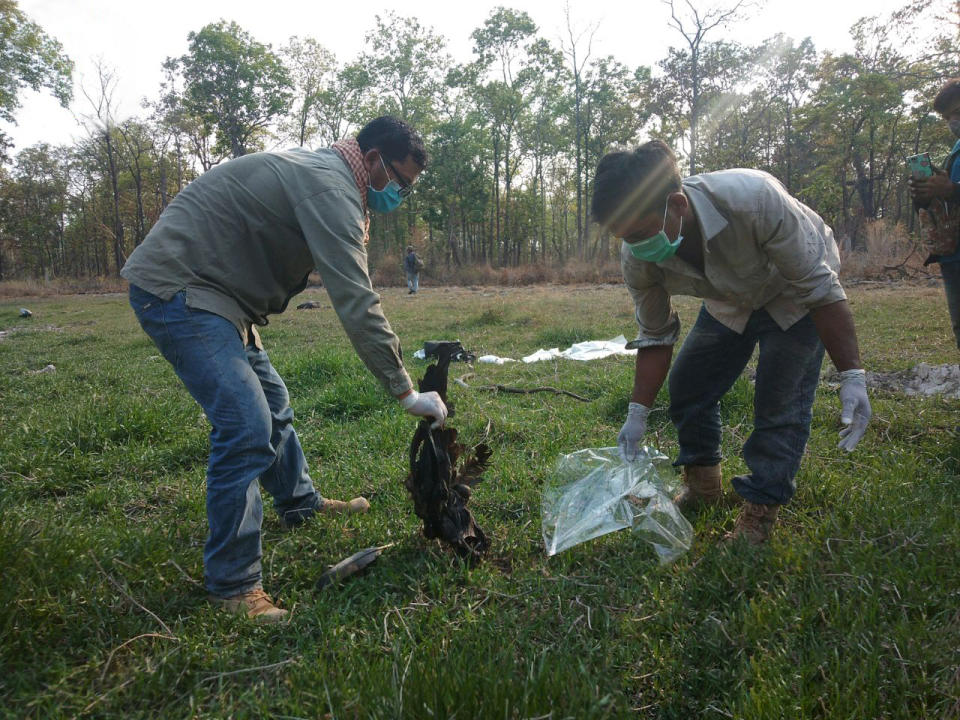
(763, 248)
(243, 238)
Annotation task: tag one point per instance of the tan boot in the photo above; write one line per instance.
(255, 604)
(701, 487)
(755, 523)
(339, 507)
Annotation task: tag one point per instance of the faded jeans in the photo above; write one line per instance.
(951, 285)
(788, 369)
(413, 281)
(252, 436)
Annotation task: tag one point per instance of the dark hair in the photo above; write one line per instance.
(394, 138)
(948, 95)
(632, 184)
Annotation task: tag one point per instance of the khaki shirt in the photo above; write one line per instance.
(762, 249)
(243, 237)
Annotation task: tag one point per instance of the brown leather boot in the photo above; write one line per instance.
(701, 487)
(755, 523)
(255, 604)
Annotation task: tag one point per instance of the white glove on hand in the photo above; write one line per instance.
(426, 405)
(632, 431)
(856, 412)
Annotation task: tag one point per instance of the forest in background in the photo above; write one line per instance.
(513, 135)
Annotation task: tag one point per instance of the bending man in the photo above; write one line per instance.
(765, 265)
(231, 249)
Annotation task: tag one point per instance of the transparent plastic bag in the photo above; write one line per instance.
(593, 492)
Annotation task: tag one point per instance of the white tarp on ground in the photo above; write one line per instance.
(587, 350)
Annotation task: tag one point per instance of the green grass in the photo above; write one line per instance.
(853, 611)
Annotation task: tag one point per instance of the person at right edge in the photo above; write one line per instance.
(945, 185)
(766, 267)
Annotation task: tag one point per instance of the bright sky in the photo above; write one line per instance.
(134, 37)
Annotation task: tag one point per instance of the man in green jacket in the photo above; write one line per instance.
(231, 249)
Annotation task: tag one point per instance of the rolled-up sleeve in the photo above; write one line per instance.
(800, 245)
(657, 320)
(332, 223)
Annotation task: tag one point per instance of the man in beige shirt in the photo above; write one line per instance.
(766, 267)
(231, 249)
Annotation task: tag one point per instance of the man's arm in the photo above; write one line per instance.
(835, 325)
(837, 332)
(653, 363)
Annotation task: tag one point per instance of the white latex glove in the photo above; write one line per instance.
(426, 405)
(632, 431)
(856, 411)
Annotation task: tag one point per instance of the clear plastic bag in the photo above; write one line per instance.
(593, 492)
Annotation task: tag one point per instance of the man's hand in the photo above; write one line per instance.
(632, 431)
(856, 412)
(926, 189)
(426, 405)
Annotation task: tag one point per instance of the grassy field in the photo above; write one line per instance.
(853, 611)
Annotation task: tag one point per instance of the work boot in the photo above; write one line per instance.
(255, 604)
(295, 518)
(701, 487)
(755, 523)
(339, 507)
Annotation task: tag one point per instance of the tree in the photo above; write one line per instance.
(694, 28)
(502, 41)
(235, 84)
(312, 68)
(102, 127)
(29, 58)
(578, 62)
(36, 205)
(788, 71)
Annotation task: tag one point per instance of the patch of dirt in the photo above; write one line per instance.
(922, 379)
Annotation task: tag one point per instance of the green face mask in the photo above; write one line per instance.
(657, 248)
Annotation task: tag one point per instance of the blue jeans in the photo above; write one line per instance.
(788, 370)
(252, 436)
(951, 285)
(413, 281)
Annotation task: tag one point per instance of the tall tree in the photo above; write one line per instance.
(312, 68)
(579, 57)
(694, 25)
(500, 46)
(235, 84)
(29, 58)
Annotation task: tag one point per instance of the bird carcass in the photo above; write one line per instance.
(440, 489)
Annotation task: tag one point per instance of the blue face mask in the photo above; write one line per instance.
(386, 200)
(657, 248)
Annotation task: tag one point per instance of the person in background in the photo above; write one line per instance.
(232, 249)
(766, 266)
(412, 265)
(945, 185)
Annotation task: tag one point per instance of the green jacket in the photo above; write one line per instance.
(243, 237)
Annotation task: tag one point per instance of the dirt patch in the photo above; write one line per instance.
(922, 379)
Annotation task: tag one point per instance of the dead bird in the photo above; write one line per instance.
(440, 490)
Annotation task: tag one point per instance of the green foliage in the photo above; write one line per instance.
(235, 84)
(29, 58)
(514, 135)
(850, 612)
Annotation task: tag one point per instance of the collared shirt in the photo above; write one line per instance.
(762, 249)
(243, 238)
